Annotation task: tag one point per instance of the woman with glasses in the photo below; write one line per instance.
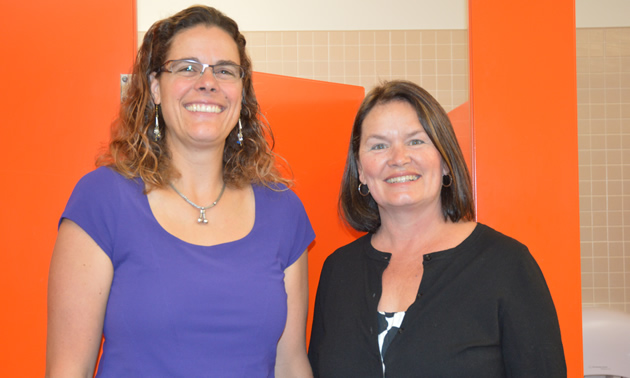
(184, 249)
(427, 292)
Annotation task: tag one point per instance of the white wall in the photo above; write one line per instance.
(280, 15)
(602, 13)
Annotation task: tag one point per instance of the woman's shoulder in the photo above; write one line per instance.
(104, 177)
(347, 262)
(280, 205)
(277, 195)
(103, 184)
(492, 238)
(357, 249)
(503, 250)
(273, 190)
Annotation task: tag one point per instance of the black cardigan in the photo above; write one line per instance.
(483, 310)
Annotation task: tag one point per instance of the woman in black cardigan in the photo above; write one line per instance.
(427, 292)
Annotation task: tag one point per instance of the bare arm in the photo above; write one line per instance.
(78, 288)
(291, 359)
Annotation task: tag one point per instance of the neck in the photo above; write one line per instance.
(200, 174)
(410, 231)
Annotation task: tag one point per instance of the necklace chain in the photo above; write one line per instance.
(202, 209)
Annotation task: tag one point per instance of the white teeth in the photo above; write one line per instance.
(203, 108)
(396, 180)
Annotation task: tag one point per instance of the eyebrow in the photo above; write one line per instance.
(226, 62)
(220, 62)
(409, 135)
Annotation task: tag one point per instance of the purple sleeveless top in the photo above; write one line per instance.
(181, 310)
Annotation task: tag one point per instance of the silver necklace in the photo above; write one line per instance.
(202, 209)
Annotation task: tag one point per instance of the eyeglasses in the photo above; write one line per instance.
(225, 72)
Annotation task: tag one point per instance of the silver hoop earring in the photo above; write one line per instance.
(240, 134)
(157, 135)
(447, 180)
(362, 191)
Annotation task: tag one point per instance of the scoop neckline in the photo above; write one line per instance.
(479, 227)
(159, 226)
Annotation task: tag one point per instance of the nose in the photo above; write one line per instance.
(399, 155)
(207, 81)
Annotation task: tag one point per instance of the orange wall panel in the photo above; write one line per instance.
(524, 117)
(312, 121)
(60, 62)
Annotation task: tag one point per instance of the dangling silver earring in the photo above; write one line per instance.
(157, 135)
(240, 134)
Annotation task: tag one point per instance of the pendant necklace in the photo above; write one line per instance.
(202, 209)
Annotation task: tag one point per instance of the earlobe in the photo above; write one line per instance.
(154, 84)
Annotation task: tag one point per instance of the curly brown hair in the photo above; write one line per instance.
(362, 213)
(133, 152)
